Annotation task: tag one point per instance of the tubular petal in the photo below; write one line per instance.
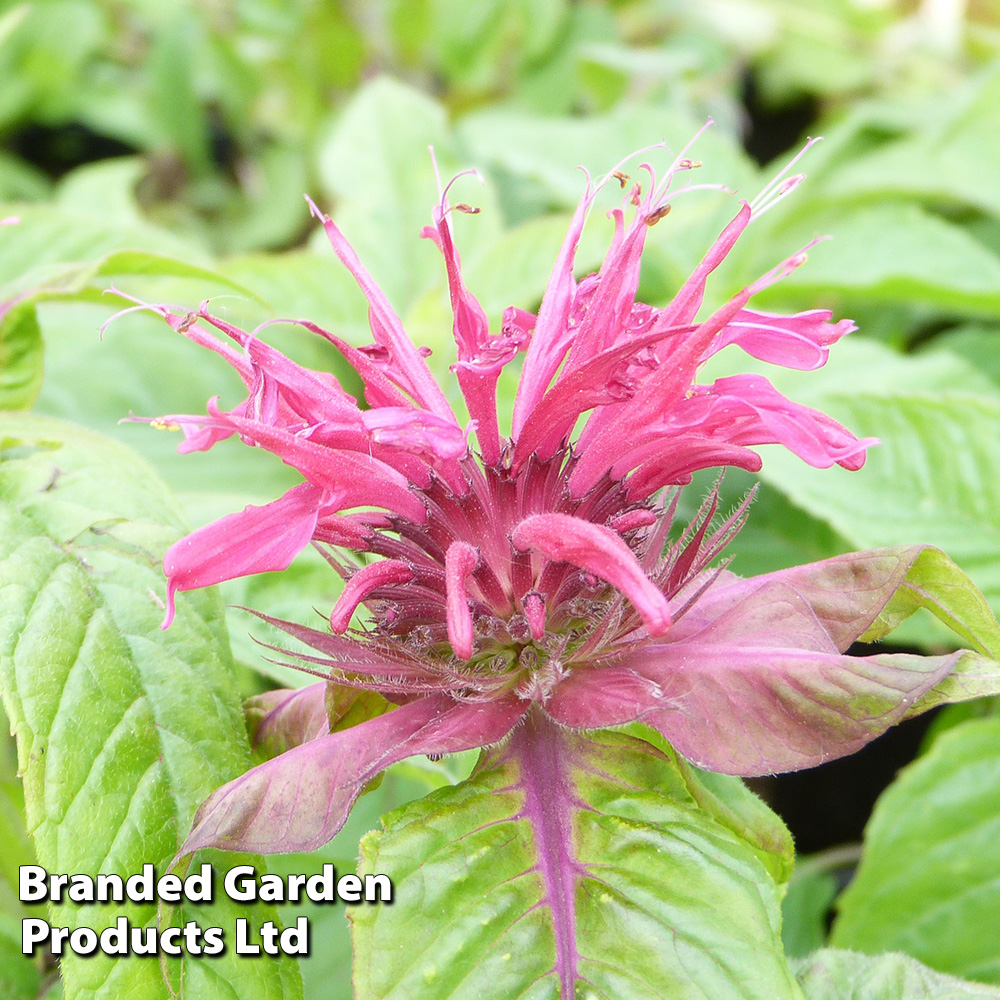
(550, 341)
(599, 550)
(459, 562)
(385, 572)
(255, 540)
(387, 329)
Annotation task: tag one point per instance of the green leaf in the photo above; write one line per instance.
(732, 804)
(892, 251)
(105, 188)
(976, 343)
(122, 729)
(804, 911)
(141, 366)
(175, 105)
(931, 480)
(844, 975)
(807, 907)
(946, 157)
(934, 583)
(656, 897)
(326, 971)
(927, 883)
(13, 835)
(20, 356)
(549, 151)
(20, 978)
(50, 239)
(303, 284)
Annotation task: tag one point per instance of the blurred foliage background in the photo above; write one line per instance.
(162, 149)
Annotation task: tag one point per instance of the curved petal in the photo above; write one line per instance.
(552, 336)
(748, 410)
(255, 540)
(459, 562)
(407, 364)
(385, 572)
(801, 340)
(564, 538)
(299, 800)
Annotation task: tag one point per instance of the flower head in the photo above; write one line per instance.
(526, 573)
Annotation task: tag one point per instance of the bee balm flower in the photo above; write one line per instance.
(518, 586)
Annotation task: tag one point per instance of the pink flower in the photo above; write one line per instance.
(521, 588)
(521, 584)
(607, 413)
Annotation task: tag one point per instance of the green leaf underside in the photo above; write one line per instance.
(844, 975)
(122, 729)
(927, 883)
(568, 867)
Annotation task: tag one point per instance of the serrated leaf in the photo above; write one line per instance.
(843, 975)
(567, 866)
(21, 354)
(928, 878)
(731, 803)
(122, 729)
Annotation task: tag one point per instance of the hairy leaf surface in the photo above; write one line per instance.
(122, 729)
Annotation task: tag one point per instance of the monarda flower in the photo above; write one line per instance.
(522, 586)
